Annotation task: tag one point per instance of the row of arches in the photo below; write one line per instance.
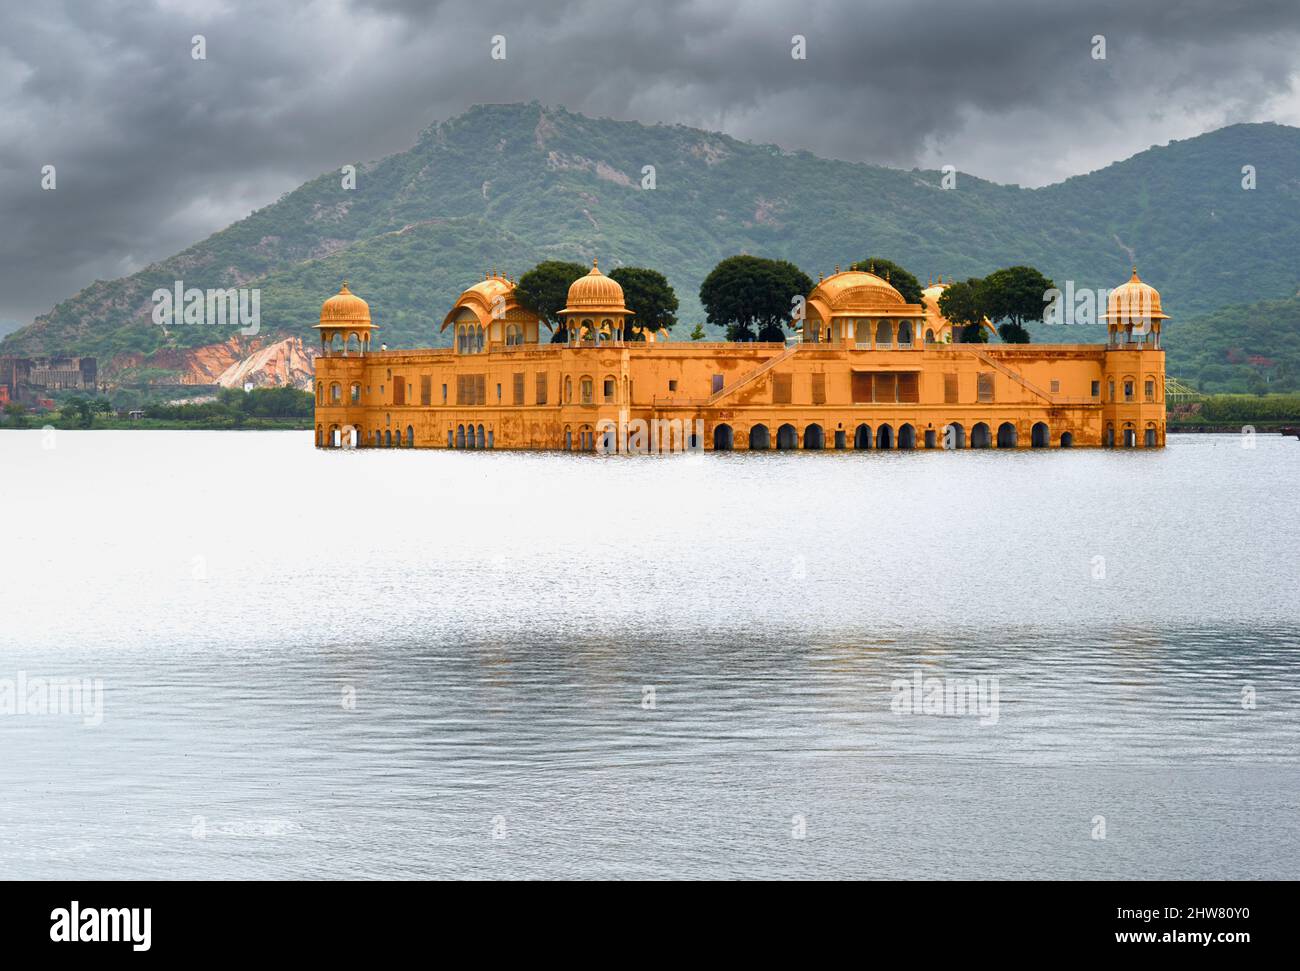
(470, 436)
(349, 436)
(885, 436)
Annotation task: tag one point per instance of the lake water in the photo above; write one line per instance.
(405, 664)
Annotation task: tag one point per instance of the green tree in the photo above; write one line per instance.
(545, 290)
(698, 333)
(902, 281)
(648, 294)
(960, 303)
(16, 414)
(77, 412)
(749, 294)
(1014, 296)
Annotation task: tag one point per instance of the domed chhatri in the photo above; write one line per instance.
(595, 293)
(1133, 310)
(857, 291)
(595, 311)
(867, 370)
(345, 307)
(345, 326)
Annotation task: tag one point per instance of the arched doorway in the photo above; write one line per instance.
(954, 436)
(470, 440)
(460, 436)
(320, 436)
(884, 437)
(979, 436)
(410, 436)
(760, 438)
(723, 438)
(1149, 441)
(814, 437)
(1067, 440)
(862, 437)
(1130, 437)
(906, 436)
(1040, 436)
(482, 439)
(1006, 435)
(787, 437)
(1108, 437)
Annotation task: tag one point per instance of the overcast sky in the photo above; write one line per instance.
(155, 150)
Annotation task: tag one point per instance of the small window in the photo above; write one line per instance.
(1149, 390)
(541, 389)
(984, 386)
(609, 390)
(1056, 387)
(672, 385)
(444, 394)
(587, 390)
(426, 389)
(518, 381)
(1110, 389)
(1096, 389)
(1128, 390)
(498, 392)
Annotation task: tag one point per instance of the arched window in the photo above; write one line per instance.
(482, 439)
(588, 331)
(336, 393)
(904, 333)
(587, 390)
(862, 332)
(478, 339)
(460, 436)
(355, 393)
(470, 437)
(929, 335)
(609, 390)
(884, 336)
(568, 390)
(320, 393)
(410, 437)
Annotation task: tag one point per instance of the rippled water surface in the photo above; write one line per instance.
(403, 664)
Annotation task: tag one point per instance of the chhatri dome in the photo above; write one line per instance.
(1133, 301)
(595, 293)
(343, 309)
(856, 291)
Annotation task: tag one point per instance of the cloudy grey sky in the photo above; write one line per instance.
(155, 150)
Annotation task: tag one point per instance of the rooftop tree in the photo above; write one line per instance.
(649, 296)
(545, 290)
(752, 297)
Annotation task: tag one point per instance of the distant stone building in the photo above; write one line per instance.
(31, 379)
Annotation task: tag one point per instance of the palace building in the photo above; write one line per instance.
(867, 371)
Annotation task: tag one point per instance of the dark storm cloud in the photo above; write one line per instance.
(154, 150)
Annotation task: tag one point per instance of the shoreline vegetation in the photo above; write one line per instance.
(263, 409)
(231, 410)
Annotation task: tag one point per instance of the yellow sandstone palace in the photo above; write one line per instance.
(869, 371)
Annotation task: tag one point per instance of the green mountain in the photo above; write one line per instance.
(504, 186)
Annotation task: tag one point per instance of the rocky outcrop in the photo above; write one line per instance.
(286, 362)
(230, 364)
